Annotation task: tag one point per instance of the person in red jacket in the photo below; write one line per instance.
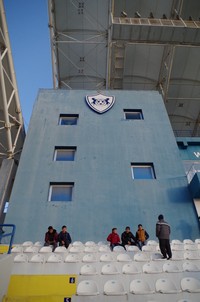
(114, 239)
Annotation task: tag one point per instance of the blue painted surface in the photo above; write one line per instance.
(195, 185)
(189, 148)
(105, 195)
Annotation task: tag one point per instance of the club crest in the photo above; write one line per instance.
(100, 103)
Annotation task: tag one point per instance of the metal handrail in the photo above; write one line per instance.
(5, 234)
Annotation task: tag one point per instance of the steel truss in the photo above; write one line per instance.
(170, 34)
(12, 132)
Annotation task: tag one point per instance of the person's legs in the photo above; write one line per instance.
(140, 245)
(168, 249)
(162, 247)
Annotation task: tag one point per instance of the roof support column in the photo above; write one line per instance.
(5, 110)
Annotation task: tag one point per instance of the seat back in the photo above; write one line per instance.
(114, 288)
(191, 285)
(140, 287)
(166, 286)
(87, 288)
(109, 269)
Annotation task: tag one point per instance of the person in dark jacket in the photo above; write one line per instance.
(128, 238)
(64, 237)
(163, 233)
(141, 236)
(51, 237)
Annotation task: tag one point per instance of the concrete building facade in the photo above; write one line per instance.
(93, 171)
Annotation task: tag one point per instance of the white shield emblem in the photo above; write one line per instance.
(100, 103)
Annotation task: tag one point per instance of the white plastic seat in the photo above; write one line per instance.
(178, 255)
(32, 249)
(114, 288)
(89, 258)
(90, 243)
(21, 258)
(191, 285)
(151, 268)
(87, 288)
(100, 243)
(156, 256)
(166, 286)
(91, 249)
(188, 241)
(149, 248)
(192, 255)
(191, 247)
(109, 269)
(197, 241)
(54, 258)
(140, 287)
(177, 247)
(152, 242)
(17, 249)
(176, 241)
(77, 243)
(142, 257)
(171, 267)
(123, 257)
(37, 258)
(118, 249)
(189, 266)
(130, 269)
(45, 249)
(76, 249)
(104, 249)
(27, 243)
(88, 269)
(61, 249)
(38, 243)
(106, 258)
(132, 248)
(72, 258)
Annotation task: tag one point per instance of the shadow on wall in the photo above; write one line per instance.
(180, 195)
(184, 228)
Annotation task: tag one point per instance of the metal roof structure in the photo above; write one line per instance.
(131, 45)
(12, 132)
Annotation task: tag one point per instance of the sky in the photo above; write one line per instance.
(27, 22)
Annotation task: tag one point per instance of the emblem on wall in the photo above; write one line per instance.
(100, 103)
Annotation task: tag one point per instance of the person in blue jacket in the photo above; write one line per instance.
(64, 237)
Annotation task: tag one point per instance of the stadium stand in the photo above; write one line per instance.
(94, 273)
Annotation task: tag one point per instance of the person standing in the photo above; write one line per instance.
(163, 234)
(64, 237)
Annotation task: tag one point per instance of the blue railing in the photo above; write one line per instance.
(7, 231)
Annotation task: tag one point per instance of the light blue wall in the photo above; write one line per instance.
(105, 195)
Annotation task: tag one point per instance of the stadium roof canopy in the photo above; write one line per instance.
(131, 45)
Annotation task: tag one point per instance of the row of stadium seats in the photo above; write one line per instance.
(109, 256)
(138, 286)
(113, 267)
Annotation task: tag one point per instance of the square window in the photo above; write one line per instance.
(143, 171)
(133, 114)
(68, 119)
(64, 153)
(61, 192)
